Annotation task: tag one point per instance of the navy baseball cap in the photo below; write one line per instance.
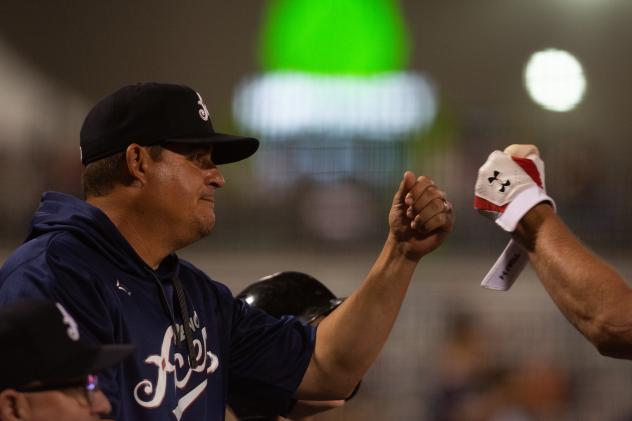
(153, 114)
(41, 343)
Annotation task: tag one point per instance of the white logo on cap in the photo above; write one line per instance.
(73, 330)
(203, 111)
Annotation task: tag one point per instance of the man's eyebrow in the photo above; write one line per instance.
(188, 148)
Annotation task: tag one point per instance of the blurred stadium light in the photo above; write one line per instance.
(555, 80)
(385, 106)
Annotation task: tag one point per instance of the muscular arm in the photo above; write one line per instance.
(350, 338)
(592, 296)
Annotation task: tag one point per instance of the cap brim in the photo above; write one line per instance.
(226, 148)
(94, 359)
(108, 355)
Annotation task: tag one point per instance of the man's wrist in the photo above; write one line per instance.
(527, 229)
(399, 252)
(521, 204)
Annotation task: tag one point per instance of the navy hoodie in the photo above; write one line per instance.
(75, 255)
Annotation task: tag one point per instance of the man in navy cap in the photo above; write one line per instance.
(151, 157)
(46, 372)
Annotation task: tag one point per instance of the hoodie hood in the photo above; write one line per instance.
(64, 213)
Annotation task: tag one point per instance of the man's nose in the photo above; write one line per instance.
(215, 177)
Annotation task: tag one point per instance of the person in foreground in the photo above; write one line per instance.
(151, 157)
(46, 372)
(591, 295)
(302, 296)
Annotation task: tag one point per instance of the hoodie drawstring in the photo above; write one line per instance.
(184, 314)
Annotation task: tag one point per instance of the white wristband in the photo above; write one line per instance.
(507, 268)
(520, 205)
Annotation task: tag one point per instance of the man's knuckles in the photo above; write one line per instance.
(521, 151)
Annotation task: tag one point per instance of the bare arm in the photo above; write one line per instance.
(350, 338)
(592, 296)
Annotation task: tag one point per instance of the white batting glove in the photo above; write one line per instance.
(507, 187)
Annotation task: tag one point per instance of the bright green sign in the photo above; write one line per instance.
(342, 37)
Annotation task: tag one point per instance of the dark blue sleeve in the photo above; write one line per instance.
(268, 359)
(61, 274)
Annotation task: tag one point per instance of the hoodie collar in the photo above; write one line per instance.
(63, 212)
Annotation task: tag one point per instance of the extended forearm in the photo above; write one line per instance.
(350, 339)
(592, 296)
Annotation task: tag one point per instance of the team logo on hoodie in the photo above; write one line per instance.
(150, 394)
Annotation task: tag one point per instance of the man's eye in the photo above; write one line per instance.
(201, 159)
(197, 157)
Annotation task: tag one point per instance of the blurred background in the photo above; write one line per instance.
(346, 95)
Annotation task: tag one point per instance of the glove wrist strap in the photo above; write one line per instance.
(520, 205)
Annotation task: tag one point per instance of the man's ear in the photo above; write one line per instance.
(138, 160)
(13, 406)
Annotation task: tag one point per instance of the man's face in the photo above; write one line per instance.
(69, 404)
(182, 189)
(76, 400)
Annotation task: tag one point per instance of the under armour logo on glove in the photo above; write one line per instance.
(503, 184)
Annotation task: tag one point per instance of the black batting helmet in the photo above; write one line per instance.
(286, 293)
(291, 293)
